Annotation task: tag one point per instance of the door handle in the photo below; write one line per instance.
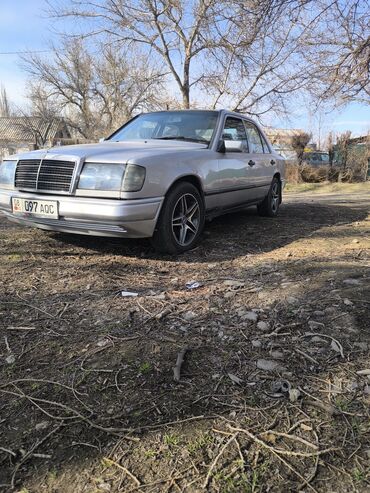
(272, 162)
(251, 163)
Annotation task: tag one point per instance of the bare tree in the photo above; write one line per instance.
(330, 147)
(342, 145)
(5, 105)
(95, 88)
(339, 48)
(238, 53)
(299, 143)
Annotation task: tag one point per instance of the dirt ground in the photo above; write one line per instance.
(274, 389)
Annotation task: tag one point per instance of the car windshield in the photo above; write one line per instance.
(191, 126)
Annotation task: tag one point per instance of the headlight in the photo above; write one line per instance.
(7, 173)
(100, 176)
(133, 180)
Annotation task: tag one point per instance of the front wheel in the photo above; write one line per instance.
(181, 220)
(269, 207)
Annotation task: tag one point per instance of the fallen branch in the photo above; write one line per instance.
(179, 362)
(279, 451)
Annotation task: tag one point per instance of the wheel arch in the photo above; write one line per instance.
(193, 179)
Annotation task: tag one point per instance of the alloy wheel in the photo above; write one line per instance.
(186, 219)
(275, 197)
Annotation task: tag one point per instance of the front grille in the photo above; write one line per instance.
(46, 174)
(26, 173)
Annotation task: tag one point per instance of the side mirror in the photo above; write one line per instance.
(234, 146)
(102, 139)
(221, 146)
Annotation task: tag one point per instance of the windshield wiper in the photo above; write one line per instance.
(180, 137)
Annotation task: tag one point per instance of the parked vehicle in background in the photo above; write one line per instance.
(160, 175)
(316, 158)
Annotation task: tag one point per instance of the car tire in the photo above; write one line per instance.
(269, 207)
(181, 220)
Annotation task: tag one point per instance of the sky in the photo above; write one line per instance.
(25, 26)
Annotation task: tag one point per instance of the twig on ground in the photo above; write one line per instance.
(307, 356)
(289, 453)
(75, 414)
(10, 452)
(7, 344)
(25, 302)
(124, 469)
(21, 328)
(291, 437)
(30, 453)
(213, 465)
(279, 452)
(312, 334)
(179, 362)
(170, 423)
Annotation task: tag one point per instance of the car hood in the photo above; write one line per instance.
(115, 152)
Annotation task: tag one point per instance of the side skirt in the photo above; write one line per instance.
(212, 213)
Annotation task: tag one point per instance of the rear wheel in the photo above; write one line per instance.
(181, 221)
(269, 207)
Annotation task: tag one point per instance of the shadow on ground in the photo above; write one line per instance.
(92, 376)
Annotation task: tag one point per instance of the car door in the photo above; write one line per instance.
(261, 155)
(237, 174)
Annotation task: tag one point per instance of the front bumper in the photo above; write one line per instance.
(90, 216)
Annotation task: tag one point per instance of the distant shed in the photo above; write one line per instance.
(23, 133)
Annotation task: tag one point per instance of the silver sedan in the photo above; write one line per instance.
(160, 175)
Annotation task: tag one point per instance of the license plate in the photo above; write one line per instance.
(36, 208)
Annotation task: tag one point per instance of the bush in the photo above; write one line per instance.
(310, 174)
(314, 174)
(292, 174)
(357, 164)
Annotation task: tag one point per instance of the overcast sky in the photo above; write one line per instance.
(25, 26)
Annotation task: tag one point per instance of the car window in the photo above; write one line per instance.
(266, 148)
(193, 125)
(325, 158)
(234, 130)
(254, 139)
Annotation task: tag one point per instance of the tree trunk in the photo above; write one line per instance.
(185, 89)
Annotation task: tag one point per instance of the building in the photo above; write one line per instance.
(23, 133)
(281, 138)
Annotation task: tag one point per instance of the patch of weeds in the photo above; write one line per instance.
(14, 257)
(199, 442)
(105, 462)
(341, 403)
(359, 476)
(144, 368)
(171, 439)
(237, 483)
(150, 453)
(52, 476)
(8, 370)
(257, 476)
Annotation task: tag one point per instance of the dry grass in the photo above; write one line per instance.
(327, 187)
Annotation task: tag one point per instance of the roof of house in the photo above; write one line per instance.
(282, 132)
(24, 128)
